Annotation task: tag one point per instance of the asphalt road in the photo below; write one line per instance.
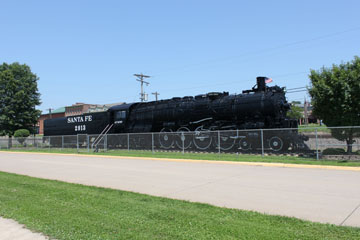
(322, 195)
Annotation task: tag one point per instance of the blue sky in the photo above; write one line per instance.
(88, 51)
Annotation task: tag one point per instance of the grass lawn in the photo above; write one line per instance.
(72, 211)
(311, 128)
(202, 156)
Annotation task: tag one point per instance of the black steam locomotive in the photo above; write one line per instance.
(262, 107)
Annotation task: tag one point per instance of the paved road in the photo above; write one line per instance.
(11, 230)
(321, 195)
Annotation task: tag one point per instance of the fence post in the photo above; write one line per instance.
(77, 143)
(317, 145)
(183, 142)
(105, 143)
(88, 142)
(62, 142)
(219, 142)
(152, 142)
(262, 142)
(49, 143)
(128, 138)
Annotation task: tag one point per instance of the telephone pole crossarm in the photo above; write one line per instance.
(156, 95)
(141, 80)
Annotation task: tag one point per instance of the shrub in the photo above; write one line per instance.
(334, 151)
(21, 135)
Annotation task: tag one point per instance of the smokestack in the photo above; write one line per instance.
(261, 83)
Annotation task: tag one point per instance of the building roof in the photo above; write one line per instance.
(59, 110)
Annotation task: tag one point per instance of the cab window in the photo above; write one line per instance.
(120, 115)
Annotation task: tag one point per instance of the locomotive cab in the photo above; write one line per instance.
(118, 116)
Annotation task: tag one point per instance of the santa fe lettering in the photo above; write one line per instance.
(78, 119)
(88, 118)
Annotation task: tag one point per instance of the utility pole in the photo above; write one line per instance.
(156, 95)
(50, 116)
(306, 112)
(141, 80)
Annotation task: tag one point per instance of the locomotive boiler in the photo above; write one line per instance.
(261, 107)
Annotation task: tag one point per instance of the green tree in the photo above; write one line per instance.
(18, 98)
(295, 112)
(21, 135)
(335, 94)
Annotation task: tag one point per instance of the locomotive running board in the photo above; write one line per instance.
(237, 137)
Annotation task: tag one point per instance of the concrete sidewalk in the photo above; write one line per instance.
(322, 195)
(12, 230)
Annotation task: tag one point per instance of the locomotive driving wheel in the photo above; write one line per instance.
(183, 138)
(202, 138)
(276, 143)
(166, 138)
(245, 144)
(227, 140)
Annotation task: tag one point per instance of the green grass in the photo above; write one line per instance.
(311, 128)
(203, 156)
(72, 211)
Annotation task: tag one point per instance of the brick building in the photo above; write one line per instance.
(60, 112)
(81, 108)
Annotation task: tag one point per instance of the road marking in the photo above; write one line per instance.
(263, 164)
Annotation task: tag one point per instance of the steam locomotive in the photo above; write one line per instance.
(261, 107)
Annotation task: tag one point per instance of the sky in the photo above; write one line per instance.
(87, 51)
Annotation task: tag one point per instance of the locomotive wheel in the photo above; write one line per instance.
(276, 143)
(182, 135)
(202, 138)
(245, 144)
(227, 140)
(166, 138)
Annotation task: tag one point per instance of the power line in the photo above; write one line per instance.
(289, 89)
(143, 95)
(232, 82)
(305, 90)
(265, 50)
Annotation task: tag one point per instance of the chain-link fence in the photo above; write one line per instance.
(320, 142)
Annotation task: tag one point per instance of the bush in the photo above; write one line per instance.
(334, 151)
(21, 135)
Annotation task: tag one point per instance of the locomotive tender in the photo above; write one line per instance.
(262, 107)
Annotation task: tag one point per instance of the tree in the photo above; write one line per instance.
(295, 112)
(18, 98)
(335, 94)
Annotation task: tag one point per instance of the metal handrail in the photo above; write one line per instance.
(101, 136)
